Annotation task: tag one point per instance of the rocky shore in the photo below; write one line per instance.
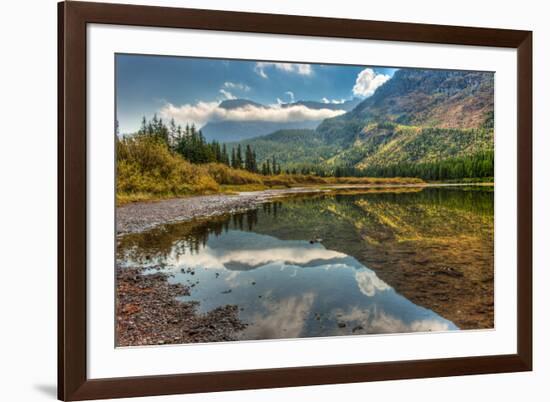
(141, 216)
(148, 313)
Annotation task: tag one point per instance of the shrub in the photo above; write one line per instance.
(223, 174)
(148, 169)
(146, 166)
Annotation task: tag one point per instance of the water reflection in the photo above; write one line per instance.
(323, 265)
(291, 288)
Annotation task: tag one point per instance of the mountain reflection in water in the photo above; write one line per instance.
(288, 288)
(435, 246)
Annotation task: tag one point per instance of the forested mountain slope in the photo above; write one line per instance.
(418, 117)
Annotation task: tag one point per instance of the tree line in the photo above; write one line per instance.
(190, 143)
(479, 165)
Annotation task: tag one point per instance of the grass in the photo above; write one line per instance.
(147, 170)
(477, 180)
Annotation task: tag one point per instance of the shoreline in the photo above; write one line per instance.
(141, 216)
(438, 284)
(149, 313)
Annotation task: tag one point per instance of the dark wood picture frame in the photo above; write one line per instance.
(73, 383)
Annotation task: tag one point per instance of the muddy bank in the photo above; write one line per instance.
(148, 313)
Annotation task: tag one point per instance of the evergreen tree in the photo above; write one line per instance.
(191, 144)
(239, 158)
(172, 133)
(225, 157)
(254, 162)
(250, 159)
(274, 165)
(143, 128)
(233, 158)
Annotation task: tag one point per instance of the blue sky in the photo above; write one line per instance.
(189, 89)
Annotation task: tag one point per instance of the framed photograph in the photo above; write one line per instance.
(253, 200)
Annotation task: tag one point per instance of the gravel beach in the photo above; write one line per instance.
(140, 216)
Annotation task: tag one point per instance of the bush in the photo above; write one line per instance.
(146, 166)
(223, 174)
(147, 169)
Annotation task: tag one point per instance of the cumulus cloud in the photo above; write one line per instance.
(368, 81)
(203, 112)
(335, 101)
(236, 86)
(301, 69)
(374, 320)
(369, 283)
(227, 94)
(282, 319)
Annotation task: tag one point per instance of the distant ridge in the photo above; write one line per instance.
(229, 131)
(418, 116)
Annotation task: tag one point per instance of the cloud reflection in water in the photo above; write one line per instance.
(292, 288)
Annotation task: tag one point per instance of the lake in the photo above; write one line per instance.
(345, 263)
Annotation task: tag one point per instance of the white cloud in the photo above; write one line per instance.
(236, 85)
(197, 114)
(203, 112)
(301, 69)
(368, 81)
(291, 95)
(335, 101)
(369, 283)
(376, 321)
(261, 72)
(227, 94)
(284, 318)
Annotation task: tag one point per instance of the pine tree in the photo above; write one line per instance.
(249, 159)
(225, 157)
(239, 157)
(143, 128)
(254, 162)
(274, 165)
(233, 158)
(172, 133)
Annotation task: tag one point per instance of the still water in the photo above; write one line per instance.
(299, 266)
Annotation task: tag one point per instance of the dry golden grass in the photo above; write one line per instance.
(147, 170)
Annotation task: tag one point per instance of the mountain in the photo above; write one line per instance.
(346, 105)
(230, 130)
(238, 103)
(418, 116)
(292, 147)
(422, 98)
